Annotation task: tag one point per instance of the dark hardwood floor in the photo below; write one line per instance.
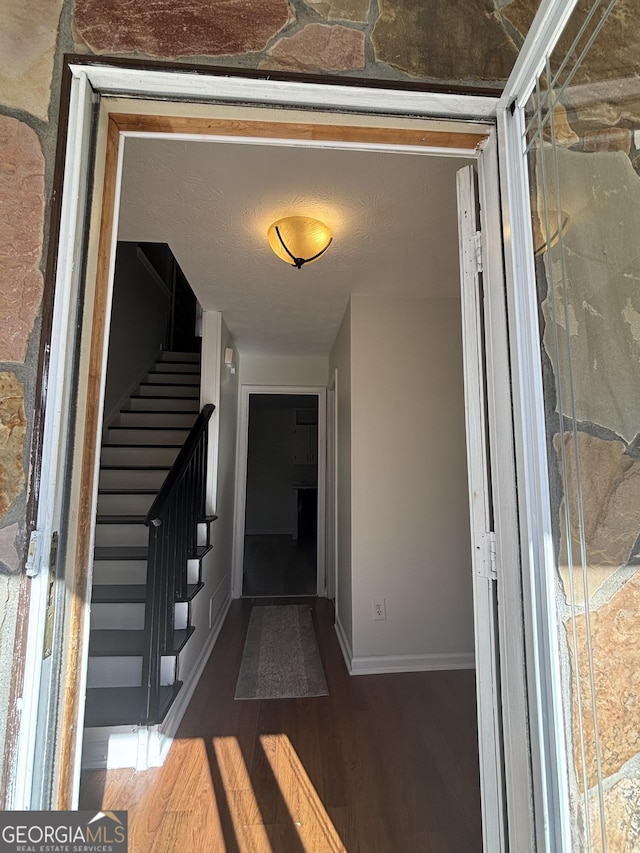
(384, 764)
(279, 565)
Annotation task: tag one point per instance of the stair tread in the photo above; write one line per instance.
(158, 387)
(138, 552)
(138, 446)
(127, 491)
(132, 593)
(122, 706)
(118, 593)
(132, 466)
(159, 412)
(200, 551)
(120, 552)
(167, 397)
(123, 642)
(170, 385)
(158, 427)
(176, 368)
(105, 642)
(120, 519)
(192, 590)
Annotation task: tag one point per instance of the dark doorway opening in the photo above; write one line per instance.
(280, 548)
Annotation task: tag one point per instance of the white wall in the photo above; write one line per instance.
(134, 343)
(222, 390)
(410, 522)
(340, 359)
(283, 370)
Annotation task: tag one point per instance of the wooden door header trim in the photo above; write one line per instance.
(70, 717)
(304, 131)
(167, 83)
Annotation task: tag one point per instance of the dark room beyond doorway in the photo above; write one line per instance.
(281, 501)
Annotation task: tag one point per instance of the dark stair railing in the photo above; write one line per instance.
(173, 539)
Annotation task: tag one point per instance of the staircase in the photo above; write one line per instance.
(137, 455)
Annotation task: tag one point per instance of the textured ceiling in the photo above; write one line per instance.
(393, 217)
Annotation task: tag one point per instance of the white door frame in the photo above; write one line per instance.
(480, 512)
(94, 80)
(242, 448)
(332, 490)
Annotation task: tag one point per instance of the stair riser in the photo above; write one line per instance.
(164, 378)
(152, 390)
(119, 571)
(204, 533)
(193, 571)
(114, 617)
(181, 615)
(146, 436)
(151, 404)
(176, 367)
(121, 478)
(121, 534)
(107, 671)
(150, 419)
(179, 356)
(124, 504)
(114, 672)
(168, 670)
(135, 456)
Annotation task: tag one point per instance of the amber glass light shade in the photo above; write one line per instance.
(299, 240)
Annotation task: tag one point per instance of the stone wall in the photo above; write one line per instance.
(449, 42)
(589, 288)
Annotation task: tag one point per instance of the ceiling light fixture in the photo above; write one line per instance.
(299, 240)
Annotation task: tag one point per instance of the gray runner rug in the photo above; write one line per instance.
(281, 658)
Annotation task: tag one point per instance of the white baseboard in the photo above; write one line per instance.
(345, 646)
(142, 747)
(369, 665)
(381, 664)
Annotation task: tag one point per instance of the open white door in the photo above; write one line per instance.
(481, 517)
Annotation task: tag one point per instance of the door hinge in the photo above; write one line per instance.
(485, 547)
(477, 245)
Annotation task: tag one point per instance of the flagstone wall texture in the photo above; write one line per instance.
(590, 310)
(448, 42)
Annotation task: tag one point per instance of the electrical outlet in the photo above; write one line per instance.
(379, 609)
